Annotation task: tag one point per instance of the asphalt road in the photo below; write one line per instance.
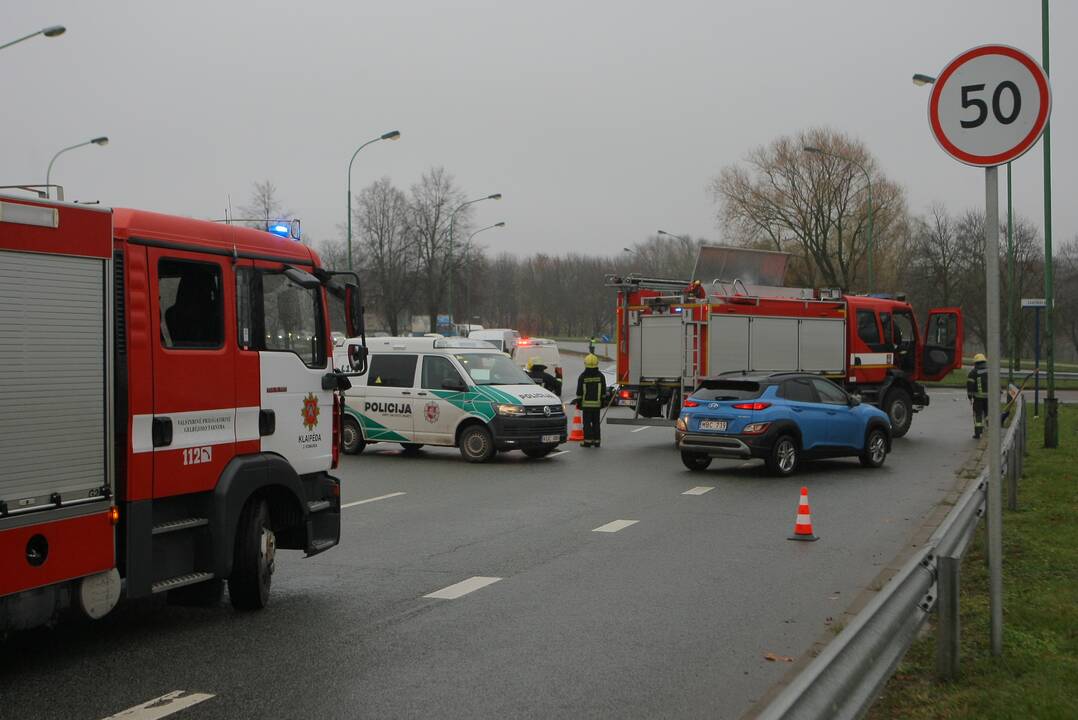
(670, 616)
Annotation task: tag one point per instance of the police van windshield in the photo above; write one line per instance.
(492, 369)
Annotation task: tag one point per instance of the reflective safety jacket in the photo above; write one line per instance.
(590, 388)
(977, 382)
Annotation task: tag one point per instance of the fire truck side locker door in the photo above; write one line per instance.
(193, 335)
(942, 351)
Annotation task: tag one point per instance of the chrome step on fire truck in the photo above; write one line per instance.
(170, 414)
(671, 333)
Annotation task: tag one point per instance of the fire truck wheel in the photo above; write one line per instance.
(695, 461)
(784, 456)
(252, 567)
(649, 407)
(875, 449)
(899, 408)
(352, 442)
(476, 444)
(204, 594)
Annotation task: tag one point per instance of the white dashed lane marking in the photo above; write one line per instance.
(556, 453)
(612, 527)
(373, 499)
(641, 429)
(699, 490)
(161, 707)
(462, 588)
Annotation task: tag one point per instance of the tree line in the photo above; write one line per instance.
(813, 204)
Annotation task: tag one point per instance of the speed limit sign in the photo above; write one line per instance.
(989, 105)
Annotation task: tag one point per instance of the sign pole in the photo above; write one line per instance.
(1051, 426)
(1036, 362)
(995, 496)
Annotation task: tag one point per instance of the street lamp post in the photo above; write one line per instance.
(1051, 418)
(100, 141)
(452, 220)
(51, 31)
(868, 181)
(467, 277)
(391, 135)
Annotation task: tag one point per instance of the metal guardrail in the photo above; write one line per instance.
(849, 673)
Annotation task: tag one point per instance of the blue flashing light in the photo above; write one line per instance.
(281, 230)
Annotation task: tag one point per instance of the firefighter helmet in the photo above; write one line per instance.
(979, 358)
(531, 363)
(591, 360)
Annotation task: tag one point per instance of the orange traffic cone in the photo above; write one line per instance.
(577, 432)
(803, 524)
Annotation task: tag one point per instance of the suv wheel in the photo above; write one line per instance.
(875, 448)
(476, 444)
(784, 456)
(899, 408)
(695, 461)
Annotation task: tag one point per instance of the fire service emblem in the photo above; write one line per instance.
(310, 411)
(432, 412)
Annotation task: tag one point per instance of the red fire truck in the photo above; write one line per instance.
(672, 333)
(170, 411)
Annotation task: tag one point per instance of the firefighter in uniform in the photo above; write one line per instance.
(977, 392)
(590, 391)
(537, 372)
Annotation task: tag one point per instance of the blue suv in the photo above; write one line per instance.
(783, 418)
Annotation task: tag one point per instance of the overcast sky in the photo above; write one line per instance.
(599, 121)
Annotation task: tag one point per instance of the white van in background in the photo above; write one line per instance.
(501, 338)
(542, 351)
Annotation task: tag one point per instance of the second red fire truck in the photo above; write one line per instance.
(672, 333)
(170, 415)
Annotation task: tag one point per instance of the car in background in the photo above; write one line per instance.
(542, 351)
(782, 418)
(502, 338)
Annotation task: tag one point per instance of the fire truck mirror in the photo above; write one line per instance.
(353, 304)
(357, 358)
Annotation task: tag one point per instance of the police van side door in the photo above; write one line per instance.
(387, 408)
(436, 417)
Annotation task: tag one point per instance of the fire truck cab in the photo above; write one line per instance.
(673, 333)
(172, 414)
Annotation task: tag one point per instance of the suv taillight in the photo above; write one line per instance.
(752, 406)
(336, 429)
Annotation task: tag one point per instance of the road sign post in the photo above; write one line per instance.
(989, 106)
(1036, 304)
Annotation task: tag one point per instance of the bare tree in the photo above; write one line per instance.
(937, 262)
(431, 201)
(814, 206)
(264, 205)
(665, 256)
(388, 247)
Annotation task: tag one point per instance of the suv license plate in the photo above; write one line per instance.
(719, 425)
(550, 438)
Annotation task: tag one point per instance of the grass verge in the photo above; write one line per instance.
(957, 378)
(1037, 675)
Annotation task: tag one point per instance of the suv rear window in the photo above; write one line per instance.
(728, 390)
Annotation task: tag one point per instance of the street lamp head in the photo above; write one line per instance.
(102, 141)
(919, 79)
(495, 196)
(392, 135)
(626, 250)
(54, 30)
(500, 224)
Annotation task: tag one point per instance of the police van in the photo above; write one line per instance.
(453, 392)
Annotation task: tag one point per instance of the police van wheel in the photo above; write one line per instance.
(476, 444)
(253, 564)
(411, 448)
(539, 452)
(351, 436)
(899, 408)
